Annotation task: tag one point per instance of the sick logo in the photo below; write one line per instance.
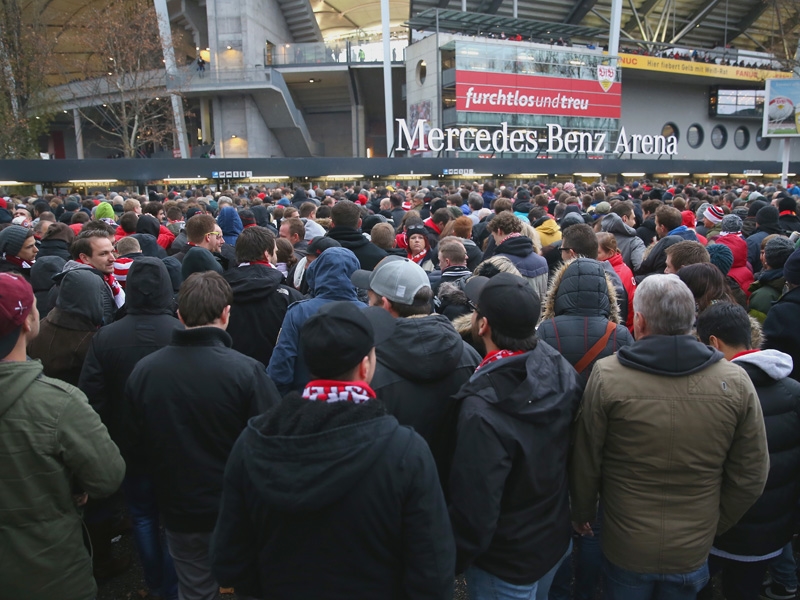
(606, 76)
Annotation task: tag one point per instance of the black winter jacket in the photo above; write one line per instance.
(420, 368)
(508, 484)
(647, 231)
(189, 402)
(780, 328)
(769, 524)
(54, 248)
(580, 303)
(117, 348)
(332, 501)
(260, 301)
(367, 253)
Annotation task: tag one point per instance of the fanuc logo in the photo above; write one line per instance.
(555, 140)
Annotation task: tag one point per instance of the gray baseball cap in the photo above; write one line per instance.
(396, 278)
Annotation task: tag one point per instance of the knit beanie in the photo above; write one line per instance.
(791, 268)
(767, 215)
(700, 210)
(12, 238)
(756, 206)
(714, 214)
(777, 252)
(104, 211)
(731, 223)
(687, 218)
(785, 204)
(721, 256)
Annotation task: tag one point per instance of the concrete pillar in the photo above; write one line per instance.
(76, 117)
(218, 139)
(171, 67)
(614, 30)
(205, 120)
(387, 78)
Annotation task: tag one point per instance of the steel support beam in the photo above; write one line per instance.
(580, 9)
(644, 11)
(695, 19)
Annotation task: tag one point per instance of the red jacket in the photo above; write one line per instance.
(628, 282)
(165, 238)
(740, 270)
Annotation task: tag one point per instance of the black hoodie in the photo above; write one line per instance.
(116, 348)
(332, 501)
(420, 368)
(367, 253)
(508, 485)
(260, 301)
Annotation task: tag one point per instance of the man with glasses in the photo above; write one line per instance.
(202, 231)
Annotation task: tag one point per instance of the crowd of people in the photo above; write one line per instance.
(554, 391)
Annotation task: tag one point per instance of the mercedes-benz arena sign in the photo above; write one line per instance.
(508, 93)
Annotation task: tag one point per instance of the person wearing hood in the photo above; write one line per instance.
(506, 230)
(42, 273)
(56, 241)
(346, 222)
(765, 531)
(787, 213)
(187, 403)
(509, 503)
(328, 280)
(147, 223)
(328, 481)
(114, 352)
(546, 226)
(766, 224)
(260, 300)
(230, 223)
(105, 212)
(769, 283)
(581, 317)
(418, 392)
(667, 394)
(67, 331)
(780, 332)
(18, 250)
(619, 222)
(731, 236)
(656, 260)
(55, 452)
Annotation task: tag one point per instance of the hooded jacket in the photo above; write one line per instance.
(189, 401)
(548, 229)
(368, 254)
(780, 332)
(42, 273)
(260, 302)
(739, 271)
(66, 332)
(672, 439)
(328, 278)
(647, 230)
(765, 291)
(508, 484)
(107, 296)
(117, 348)
(754, 243)
(768, 525)
(419, 370)
(51, 444)
(580, 303)
(519, 250)
(656, 260)
(230, 223)
(53, 247)
(308, 477)
(474, 254)
(629, 244)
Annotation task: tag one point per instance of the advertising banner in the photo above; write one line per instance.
(510, 93)
(700, 69)
(782, 108)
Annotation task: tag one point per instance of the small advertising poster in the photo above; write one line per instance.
(782, 108)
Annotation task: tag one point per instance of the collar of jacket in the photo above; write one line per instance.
(202, 336)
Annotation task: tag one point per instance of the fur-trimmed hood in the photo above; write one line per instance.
(581, 287)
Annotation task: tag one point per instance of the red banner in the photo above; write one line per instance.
(509, 93)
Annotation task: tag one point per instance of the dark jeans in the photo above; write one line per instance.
(740, 580)
(621, 584)
(159, 572)
(586, 563)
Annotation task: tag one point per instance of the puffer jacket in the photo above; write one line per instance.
(630, 246)
(519, 250)
(419, 391)
(740, 271)
(328, 278)
(671, 437)
(42, 273)
(52, 444)
(580, 303)
(770, 522)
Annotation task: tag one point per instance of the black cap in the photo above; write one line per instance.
(321, 243)
(340, 335)
(494, 296)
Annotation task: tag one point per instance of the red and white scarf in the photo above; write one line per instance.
(497, 355)
(328, 390)
(266, 263)
(16, 260)
(419, 258)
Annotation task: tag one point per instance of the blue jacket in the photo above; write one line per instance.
(230, 223)
(328, 278)
(684, 232)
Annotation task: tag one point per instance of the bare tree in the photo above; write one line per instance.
(24, 58)
(123, 77)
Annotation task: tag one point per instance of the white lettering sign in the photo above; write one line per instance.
(528, 140)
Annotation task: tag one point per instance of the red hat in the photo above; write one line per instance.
(362, 199)
(3, 203)
(16, 302)
(687, 217)
(714, 187)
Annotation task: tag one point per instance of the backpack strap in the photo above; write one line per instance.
(595, 350)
